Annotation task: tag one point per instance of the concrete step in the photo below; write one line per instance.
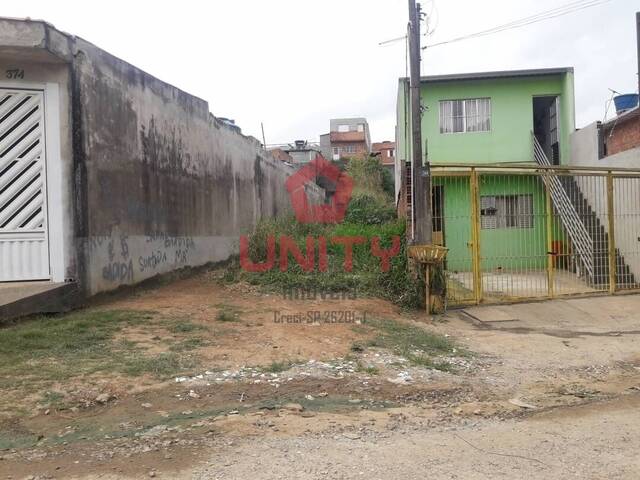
(19, 299)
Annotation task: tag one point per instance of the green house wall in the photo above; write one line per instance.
(509, 140)
(509, 249)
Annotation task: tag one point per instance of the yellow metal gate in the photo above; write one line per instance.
(519, 233)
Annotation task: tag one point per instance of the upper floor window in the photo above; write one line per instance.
(350, 149)
(471, 115)
(343, 128)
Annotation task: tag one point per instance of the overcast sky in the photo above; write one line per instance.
(294, 64)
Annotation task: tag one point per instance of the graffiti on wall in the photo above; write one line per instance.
(122, 260)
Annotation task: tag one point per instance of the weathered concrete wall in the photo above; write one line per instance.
(154, 181)
(167, 185)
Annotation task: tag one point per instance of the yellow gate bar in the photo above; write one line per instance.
(475, 236)
(612, 236)
(549, 222)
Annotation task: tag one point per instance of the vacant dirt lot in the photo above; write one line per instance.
(197, 379)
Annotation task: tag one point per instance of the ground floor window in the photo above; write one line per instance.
(506, 211)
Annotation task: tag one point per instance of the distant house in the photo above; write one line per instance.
(622, 133)
(386, 152)
(347, 138)
(281, 155)
(297, 154)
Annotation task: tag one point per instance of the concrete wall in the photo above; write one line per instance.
(154, 182)
(584, 153)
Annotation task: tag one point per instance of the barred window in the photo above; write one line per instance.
(506, 211)
(471, 115)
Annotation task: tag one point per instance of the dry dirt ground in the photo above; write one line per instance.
(543, 390)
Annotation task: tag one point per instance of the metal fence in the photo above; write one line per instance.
(517, 233)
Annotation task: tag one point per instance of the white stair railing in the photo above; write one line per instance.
(571, 221)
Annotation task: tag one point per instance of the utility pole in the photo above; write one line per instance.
(420, 174)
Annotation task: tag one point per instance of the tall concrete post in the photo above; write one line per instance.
(420, 174)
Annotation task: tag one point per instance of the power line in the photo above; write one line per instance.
(539, 17)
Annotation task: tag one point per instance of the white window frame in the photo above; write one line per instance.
(343, 128)
(464, 109)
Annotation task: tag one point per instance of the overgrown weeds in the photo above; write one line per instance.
(227, 313)
(418, 345)
(370, 214)
(49, 349)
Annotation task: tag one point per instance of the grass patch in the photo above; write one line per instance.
(162, 365)
(185, 326)
(39, 352)
(414, 343)
(369, 369)
(227, 313)
(277, 367)
(188, 344)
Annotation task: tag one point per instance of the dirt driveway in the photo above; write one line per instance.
(201, 379)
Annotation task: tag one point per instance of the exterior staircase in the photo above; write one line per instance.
(589, 237)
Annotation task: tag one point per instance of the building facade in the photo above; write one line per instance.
(490, 118)
(386, 152)
(347, 138)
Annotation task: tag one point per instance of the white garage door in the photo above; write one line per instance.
(24, 251)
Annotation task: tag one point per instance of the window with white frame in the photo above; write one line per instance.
(470, 115)
(343, 128)
(506, 211)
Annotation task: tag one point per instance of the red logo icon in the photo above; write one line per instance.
(333, 212)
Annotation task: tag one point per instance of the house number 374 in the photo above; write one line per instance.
(14, 73)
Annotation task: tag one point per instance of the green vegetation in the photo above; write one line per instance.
(369, 369)
(227, 313)
(41, 351)
(370, 214)
(183, 326)
(412, 342)
(163, 365)
(277, 367)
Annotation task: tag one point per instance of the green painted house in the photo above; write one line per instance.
(482, 119)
